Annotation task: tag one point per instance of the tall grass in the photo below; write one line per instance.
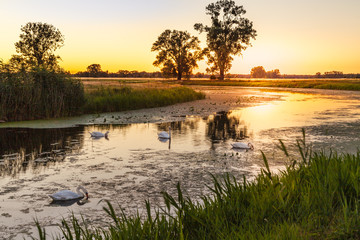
(39, 94)
(125, 98)
(316, 197)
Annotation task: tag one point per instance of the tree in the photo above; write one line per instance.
(258, 72)
(178, 53)
(229, 34)
(273, 73)
(94, 70)
(37, 44)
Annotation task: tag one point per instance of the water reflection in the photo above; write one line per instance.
(223, 126)
(22, 148)
(68, 203)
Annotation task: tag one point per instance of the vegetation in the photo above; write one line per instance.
(350, 84)
(125, 98)
(229, 34)
(39, 94)
(258, 72)
(178, 53)
(316, 197)
(36, 47)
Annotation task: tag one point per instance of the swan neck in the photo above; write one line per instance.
(81, 188)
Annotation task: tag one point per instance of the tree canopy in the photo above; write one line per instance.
(36, 46)
(258, 72)
(178, 53)
(228, 35)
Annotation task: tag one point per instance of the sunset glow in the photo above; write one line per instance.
(302, 37)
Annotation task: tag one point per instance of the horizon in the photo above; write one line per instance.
(299, 38)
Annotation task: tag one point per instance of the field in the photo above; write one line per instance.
(336, 84)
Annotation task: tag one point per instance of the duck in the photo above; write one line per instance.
(99, 134)
(241, 145)
(65, 195)
(165, 135)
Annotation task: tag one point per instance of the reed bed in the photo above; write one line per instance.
(39, 94)
(124, 98)
(316, 197)
(344, 84)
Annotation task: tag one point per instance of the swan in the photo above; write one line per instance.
(99, 134)
(241, 145)
(165, 135)
(64, 195)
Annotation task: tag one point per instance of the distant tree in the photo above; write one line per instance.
(229, 34)
(273, 73)
(258, 72)
(178, 53)
(36, 46)
(318, 74)
(94, 70)
(334, 74)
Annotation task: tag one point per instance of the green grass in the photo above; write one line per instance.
(344, 84)
(125, 98)
(316, 197)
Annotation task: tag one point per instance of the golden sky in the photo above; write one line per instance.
(297, 37)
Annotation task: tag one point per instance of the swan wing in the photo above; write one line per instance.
(65, 195)
(97, 134)
(163, 135)
(240, 145)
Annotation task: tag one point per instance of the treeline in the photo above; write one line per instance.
(269, 74)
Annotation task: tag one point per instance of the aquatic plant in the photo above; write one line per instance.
(316, 197)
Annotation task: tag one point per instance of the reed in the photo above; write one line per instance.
(316, 197)
(125, 98)
(39, 94)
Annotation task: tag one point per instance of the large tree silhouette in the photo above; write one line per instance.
(228, 35)
(178, 53)
(37, 44)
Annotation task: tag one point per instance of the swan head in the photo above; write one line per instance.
(251, 146)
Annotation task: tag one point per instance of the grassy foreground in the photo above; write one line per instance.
(343, 84)
(316, 197)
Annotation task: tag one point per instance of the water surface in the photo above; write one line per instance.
(133, 165)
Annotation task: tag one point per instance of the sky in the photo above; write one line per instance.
(296, 37)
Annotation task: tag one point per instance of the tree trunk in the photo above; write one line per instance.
(221, 77)
(179, 75)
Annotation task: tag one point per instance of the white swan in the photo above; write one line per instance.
(241, 145)
(99, 134)
(64, 195)
(165, 135)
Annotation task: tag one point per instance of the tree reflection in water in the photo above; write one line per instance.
(222, 126)
(23, 148)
